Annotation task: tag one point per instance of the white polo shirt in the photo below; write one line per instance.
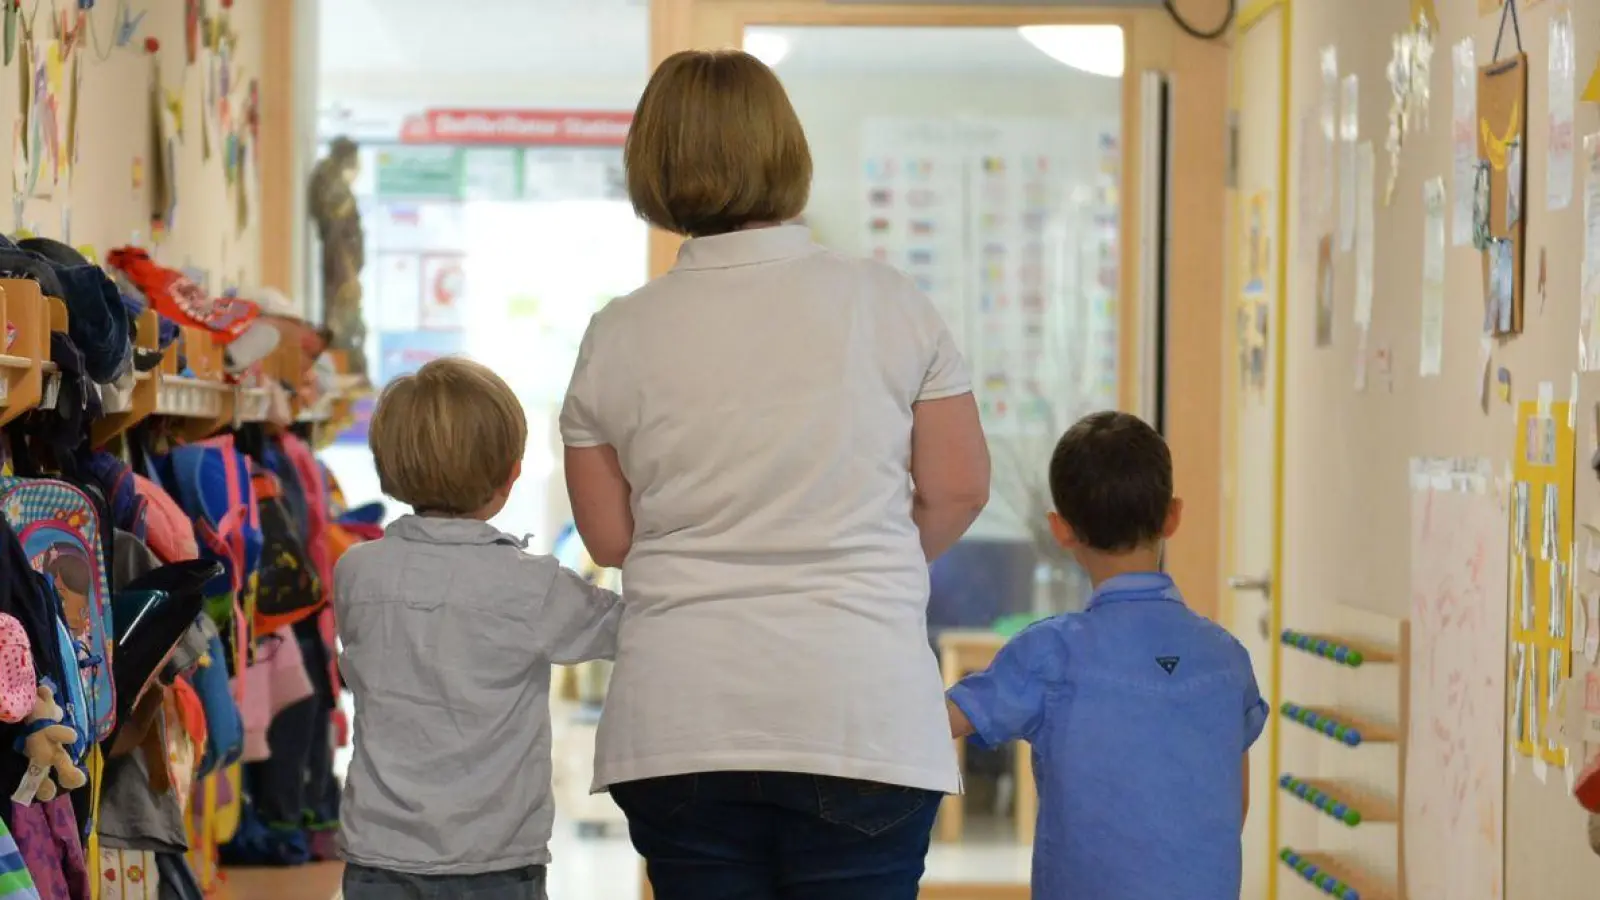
(775, 614)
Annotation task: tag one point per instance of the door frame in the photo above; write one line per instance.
(1196, 201)
(1250, 16)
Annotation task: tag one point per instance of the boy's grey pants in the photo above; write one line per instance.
(362, 883)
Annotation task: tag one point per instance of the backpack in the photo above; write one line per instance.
(59, 528)
(287, 587)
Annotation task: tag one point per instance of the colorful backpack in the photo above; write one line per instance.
(287, 587)
(211, 481)
(60, 530)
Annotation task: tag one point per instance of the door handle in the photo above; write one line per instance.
(1262, 585)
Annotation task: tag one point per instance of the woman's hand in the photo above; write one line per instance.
(601, 503)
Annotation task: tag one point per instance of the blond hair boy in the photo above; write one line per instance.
(449, 629)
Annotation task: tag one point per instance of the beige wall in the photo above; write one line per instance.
(1346, 531)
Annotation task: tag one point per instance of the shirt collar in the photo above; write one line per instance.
(435, 530)
(746, 248)
(1136, 586)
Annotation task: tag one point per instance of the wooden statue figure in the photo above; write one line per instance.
(333, 207)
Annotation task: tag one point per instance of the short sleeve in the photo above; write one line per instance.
(946, 373)
(1255, 711)
(1007, 701)
(580, 418)
(579, 621)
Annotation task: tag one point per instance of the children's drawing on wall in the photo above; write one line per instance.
(1589, 296)
(1464, 142)
(1454, 776)
(1561, 133)
(1325, 291)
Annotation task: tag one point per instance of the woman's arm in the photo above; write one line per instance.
(601, 508)
(950, 469)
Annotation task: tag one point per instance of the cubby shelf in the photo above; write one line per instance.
(1344, 727)
(1343, 651)
(1337, 878)
(1346, 803)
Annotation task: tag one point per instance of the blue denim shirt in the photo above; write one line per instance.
(1139, 712)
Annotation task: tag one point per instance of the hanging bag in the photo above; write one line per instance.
(60, 531)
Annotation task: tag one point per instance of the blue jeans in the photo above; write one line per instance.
(778, 836)
(362, 883)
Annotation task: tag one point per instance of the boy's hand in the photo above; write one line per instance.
(960, 727)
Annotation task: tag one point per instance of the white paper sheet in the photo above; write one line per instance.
(1349, 132)
(1433, 201)
(1463, 139)
(1558, 160)
(1588, 321)
(1329, 113)
(1366, 173)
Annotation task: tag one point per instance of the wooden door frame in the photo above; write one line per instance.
(1197, 201)
(1252, 15)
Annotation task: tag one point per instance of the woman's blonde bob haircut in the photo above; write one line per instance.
(715, 146)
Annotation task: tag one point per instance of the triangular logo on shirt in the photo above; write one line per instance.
(1167, 662)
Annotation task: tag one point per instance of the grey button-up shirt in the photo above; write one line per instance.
(449, 631)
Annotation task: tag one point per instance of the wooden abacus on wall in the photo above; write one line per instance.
(1354, 805)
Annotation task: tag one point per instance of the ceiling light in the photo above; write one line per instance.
(766, 46)
(1096, 49)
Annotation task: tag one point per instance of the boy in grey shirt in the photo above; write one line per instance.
(449, 631)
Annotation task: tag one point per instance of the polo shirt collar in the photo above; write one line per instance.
(746, 248)
(1136, 586)
(437, 530)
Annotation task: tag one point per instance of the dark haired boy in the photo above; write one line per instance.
(1141, 713)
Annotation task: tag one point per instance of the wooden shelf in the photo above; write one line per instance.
(1340, 725)
(1345, 802)
(1351, 652)
(1337, 877)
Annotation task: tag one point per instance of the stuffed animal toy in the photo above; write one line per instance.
(46, 746)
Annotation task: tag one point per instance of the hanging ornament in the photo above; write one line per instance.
(1409, 70)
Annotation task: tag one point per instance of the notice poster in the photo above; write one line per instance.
(1433, 277)
(1366, 197)
(1463, 139)
(444, 286)
(1588, 320)
(1455, 779)
(1349, 132)
(1563, 100)
(913, 184)
(1328, 113)
(1010, 226)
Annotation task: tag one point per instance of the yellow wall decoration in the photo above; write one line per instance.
(1541, 572)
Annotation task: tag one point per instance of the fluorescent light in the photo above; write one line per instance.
(766, 46)
(1096, 49)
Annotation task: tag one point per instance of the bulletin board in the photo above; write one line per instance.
(1359, 407)
(107, 199)
(1543, 563)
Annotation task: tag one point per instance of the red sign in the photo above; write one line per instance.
(518, 127)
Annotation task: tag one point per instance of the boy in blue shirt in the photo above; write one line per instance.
(1141, 713)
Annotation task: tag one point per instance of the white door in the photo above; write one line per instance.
(1250, 481)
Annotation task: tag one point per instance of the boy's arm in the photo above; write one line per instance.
(1006, 702)
(580, 620)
